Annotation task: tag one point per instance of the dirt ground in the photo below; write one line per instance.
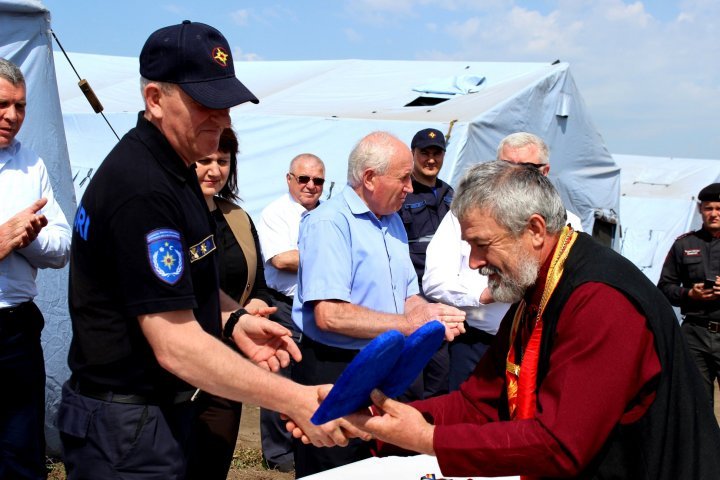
(247, 465)
(249, 444)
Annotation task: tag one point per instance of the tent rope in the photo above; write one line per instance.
(86, 88)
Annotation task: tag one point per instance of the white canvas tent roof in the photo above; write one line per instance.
(324, 107)
(658, 203)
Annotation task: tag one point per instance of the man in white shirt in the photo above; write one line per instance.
(33, 234)
(278, 232)
(449, 279)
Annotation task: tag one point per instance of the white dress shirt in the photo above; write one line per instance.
(449, 279)
(24, 179)
(278, 231)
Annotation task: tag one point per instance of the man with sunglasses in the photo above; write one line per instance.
(278, 232)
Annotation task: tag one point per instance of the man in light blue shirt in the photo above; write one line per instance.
(356, 280)
(33, 234)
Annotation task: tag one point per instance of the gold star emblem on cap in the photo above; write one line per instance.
(220, 56)
(431, 134)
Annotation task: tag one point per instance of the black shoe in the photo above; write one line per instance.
(286, 466)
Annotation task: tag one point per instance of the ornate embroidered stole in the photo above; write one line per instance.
(526, 333)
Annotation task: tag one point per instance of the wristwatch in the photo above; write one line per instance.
(232, 321)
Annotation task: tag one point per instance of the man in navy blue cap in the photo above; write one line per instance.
(421, 214)
(690, 279)
(144, 299)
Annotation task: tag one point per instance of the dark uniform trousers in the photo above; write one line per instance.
(108, 438)
(277, 442)
(421, 213)
(465, 352)
(703, 340)
(323, 364)
(22, 401)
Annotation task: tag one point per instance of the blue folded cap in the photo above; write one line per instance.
(390, 362)
(417, 352)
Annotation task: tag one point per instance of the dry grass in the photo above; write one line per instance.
(246, 465)
(56, 469)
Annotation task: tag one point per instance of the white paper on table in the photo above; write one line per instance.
(391, 468)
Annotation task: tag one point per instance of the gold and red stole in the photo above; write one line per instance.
(526, 333)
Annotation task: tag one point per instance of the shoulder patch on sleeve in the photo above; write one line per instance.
(165, 254)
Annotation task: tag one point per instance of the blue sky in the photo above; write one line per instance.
(649, 71)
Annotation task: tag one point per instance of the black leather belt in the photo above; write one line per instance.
(328, 352)
(281, 297)
(711, 325)
(10, 312)
(132, 398)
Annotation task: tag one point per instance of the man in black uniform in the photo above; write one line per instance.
(421, 214)
(690, 279)
(430, 199)
(144, 297)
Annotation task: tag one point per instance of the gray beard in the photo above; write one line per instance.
(510, 287)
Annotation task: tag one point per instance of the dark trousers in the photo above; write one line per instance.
(121, 441)
(705, 349)
(465, 353)
(22, 401)
(277, 442)
(322, 364)
(433, 380)
(213, 438)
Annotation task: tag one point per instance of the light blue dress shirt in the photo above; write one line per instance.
(24, 179)
(348, 254)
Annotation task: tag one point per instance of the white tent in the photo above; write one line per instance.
(322, 107)
(25, 40)
(658, 203)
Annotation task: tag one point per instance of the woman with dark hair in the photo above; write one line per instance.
(243, 279)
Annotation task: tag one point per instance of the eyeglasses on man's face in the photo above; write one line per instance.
(303, 179)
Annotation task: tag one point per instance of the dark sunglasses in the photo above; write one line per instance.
(303, 179)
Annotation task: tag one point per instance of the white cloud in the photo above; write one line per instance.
(240, 56)
(240, 17)
(352, 35)
(174, 8)
(633, 13)
(639, 74)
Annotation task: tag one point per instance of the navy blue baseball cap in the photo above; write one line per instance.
(428, 138)
(197, 58)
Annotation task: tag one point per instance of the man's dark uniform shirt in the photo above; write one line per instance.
(143, 243)
(421, 214)
(693, 258)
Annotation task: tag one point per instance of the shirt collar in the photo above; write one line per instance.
(163, 152)
(354, 202)
(297, 206)
(9, 152)
(421, 187)
(358, 207)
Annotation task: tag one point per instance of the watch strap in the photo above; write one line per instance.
(232, 321)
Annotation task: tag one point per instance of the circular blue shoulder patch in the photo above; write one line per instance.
(165, 254)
